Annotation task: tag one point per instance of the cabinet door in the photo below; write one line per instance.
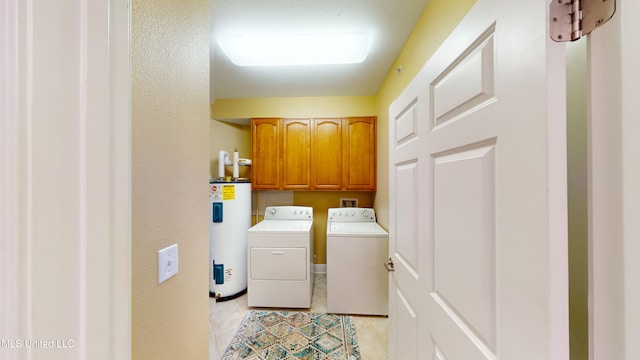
(326, 154)
(359, 153)
(266, 154)
(296, 157)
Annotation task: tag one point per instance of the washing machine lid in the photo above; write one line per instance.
(354, 228)
(281, 226)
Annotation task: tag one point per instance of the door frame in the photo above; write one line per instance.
(614, 186)
(93, 239)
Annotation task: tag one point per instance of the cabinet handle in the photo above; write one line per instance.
(277, 253)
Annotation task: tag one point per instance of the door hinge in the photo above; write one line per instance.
(572, 19)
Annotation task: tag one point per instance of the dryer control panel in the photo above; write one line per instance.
(352, 214)
(288, 213)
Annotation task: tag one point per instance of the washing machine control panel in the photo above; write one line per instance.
(352, 214)
(288, 213)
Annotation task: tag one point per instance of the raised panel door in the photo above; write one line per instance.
(327, 154)
(359, 153)
(296, 159)
(266, 154)
(477, 190)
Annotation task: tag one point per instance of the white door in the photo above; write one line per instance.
(478, 194)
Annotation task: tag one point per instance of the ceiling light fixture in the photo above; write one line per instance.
(296, 50)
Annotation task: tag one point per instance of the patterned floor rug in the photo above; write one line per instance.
(267, 335)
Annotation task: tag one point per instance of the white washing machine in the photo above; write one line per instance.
(357, 248)
(280, 250)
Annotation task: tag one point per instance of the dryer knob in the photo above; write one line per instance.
(365, 213)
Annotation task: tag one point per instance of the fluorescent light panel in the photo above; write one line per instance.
(296, 50)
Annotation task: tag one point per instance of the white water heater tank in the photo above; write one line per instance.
(229, 220)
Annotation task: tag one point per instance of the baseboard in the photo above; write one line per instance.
(320, 268)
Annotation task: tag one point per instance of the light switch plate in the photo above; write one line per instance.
(167, 263)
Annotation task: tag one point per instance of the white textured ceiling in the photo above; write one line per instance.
(389, 23)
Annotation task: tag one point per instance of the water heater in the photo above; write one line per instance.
(230, 218)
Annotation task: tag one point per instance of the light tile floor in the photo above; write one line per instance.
(225, 318)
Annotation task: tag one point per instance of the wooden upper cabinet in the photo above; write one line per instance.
(359, 153)
(266, 141)
(296, 154)
(326, 154)
(314, 154)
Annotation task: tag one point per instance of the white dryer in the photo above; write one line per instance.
(357, 248)
(280, 250)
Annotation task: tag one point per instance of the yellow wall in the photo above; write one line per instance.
(229, 136)
(577, 175)
(321, 106)
(170, 162)
(439, 18)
